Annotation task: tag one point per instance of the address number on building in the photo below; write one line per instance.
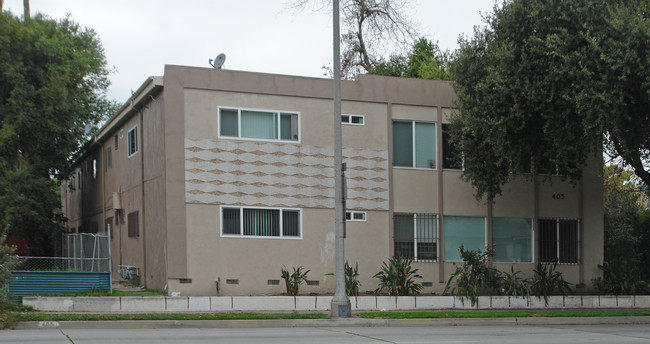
(558, 196)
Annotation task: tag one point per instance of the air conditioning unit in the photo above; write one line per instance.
(117, 201)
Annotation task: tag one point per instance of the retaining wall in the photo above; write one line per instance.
(135, 304)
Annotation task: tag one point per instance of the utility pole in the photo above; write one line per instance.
(26, 8)
(340, 302)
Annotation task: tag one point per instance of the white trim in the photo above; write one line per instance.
(350, 116)
(241, 222)
(128, 141)
(278, 113)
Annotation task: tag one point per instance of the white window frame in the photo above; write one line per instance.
(532, 240)
(349, 121)
(353, 213)
(485, 235)
(241, 223)
(128, 141)
(276, 112)
(413, 139)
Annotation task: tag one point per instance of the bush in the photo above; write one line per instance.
(398, 278)
(513, 285)
(475, 276)
(294, 280)
(547, 281)
(620, 280)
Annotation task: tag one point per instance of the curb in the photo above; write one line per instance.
(351, 322)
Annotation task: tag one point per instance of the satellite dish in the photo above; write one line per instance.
(218, 61)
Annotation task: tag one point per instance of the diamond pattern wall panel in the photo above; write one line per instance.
(281, 175)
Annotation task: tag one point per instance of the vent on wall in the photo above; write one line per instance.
(273, 282)
(185, 280)
(427, 284)
(312, 282)
(232, 281)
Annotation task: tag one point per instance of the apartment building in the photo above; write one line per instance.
(210, 181)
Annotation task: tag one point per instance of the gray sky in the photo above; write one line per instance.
(141, 36)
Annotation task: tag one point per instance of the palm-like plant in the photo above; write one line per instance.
(398, 278)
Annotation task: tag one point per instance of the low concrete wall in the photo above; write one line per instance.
(153, 304)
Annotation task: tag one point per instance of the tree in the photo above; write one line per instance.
(53, 79)
(627, 234)
(368, 27)
(424, 61)
(550, 82)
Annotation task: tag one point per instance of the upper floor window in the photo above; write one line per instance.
(414, 144)
(258, 124)
(352, 119)
(132, 140)
(108, 163)
(260, 222)
(452, 158)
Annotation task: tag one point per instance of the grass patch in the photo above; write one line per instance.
(500, 314)
(39, 316)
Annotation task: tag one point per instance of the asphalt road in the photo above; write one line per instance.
(502, 334)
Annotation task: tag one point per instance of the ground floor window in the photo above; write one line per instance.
(463, 230)
(416, 236)
(512, 239)
(260, 222)
(558, 240)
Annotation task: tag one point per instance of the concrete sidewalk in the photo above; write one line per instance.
(160, 324)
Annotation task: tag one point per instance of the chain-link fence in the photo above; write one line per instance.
(62, 264)
(88, 252)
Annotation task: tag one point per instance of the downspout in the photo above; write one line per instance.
(144, 227)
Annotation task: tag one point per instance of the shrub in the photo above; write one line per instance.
(513, 285)
(547, 281)
(620, 280)
(398, 278)
(294, 280)
(352, 279)
(475, 276)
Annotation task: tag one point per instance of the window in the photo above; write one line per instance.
(451, 157)
(115, 142)
(132, 140)
(416, 236)
(512, 239)
(260, 222)
(109, 161)
(463, 230)
(94, 169)
(414, 144)
(258, 124)
(355, 216)
(352, 119)
(558, 240)
(133, 228)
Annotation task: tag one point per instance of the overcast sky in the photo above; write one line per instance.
(141, 36)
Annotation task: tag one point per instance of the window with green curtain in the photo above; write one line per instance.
(228, 122)
(403, 144)
(291, 223)
(230, 222)
(259, 125)
(261, 222)
(425, 145)
(463, 230)
(512, 239)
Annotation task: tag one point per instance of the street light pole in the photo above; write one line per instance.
(340, 302)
